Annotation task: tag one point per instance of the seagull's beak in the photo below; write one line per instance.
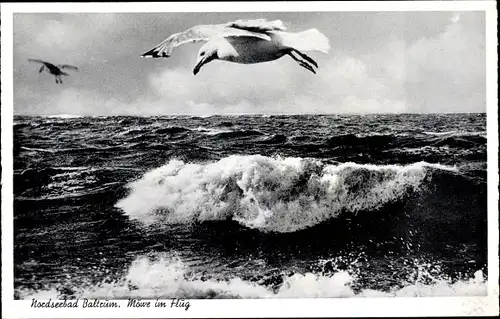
(198, 66)
(202, 61)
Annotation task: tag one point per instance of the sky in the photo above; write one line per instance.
(379, 62)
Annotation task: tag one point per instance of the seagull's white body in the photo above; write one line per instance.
(246, 42)
(237, 49)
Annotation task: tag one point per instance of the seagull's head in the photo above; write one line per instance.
(207, 53)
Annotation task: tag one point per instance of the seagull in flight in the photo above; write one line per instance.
(246, 42)
(54, 69)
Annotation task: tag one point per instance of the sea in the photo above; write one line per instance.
(250, 206)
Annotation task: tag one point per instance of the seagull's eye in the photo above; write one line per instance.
(202, 53)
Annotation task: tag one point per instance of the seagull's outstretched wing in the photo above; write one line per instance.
(38, 61)
(67, 66)
(250, 28)
(47, 64)
(258, 25)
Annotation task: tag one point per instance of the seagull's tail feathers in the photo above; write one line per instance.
(308, 40)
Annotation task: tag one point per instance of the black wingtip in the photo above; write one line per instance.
(154, 54)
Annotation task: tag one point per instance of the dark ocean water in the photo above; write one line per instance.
(250, 206)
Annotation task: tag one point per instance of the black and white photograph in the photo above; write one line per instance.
(157, 157)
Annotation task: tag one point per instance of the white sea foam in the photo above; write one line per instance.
(72, 168)
(439, 133)
(372, 134)
(211, 131)
(38, 149)
(169, 278)
(457, 133)
(271, 194)
(64, 116)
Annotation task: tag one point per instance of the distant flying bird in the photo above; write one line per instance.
(246, 42)
(53, 69)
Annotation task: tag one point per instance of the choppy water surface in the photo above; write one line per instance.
(250, 206)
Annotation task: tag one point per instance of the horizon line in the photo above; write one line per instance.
(247, 114)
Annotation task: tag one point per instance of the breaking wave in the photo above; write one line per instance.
(170, 277)
(269, 194)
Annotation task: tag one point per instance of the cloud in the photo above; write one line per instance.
(444, 72)
(456, 17)
(72, 39)
(278, 87)
(342, 85)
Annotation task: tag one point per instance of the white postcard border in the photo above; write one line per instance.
(339, 307)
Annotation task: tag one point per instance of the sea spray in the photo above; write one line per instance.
(165, 278)
(269, 194)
